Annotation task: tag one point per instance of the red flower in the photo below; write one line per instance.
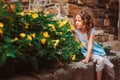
(9, 10)
(8, 17)
(8, 0)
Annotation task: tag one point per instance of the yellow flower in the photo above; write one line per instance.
(29, 13)
(62, 23)
(33, 35)
(56, 43)
(73, 57)
(26, 25)
(22, 13)
(46, 35)
(52, 27)
(1, 32)
(22, 35)
(35, 15)
(82, 44)
(72, 27)
(65, 21)
(1, 25)
(29, 37)
(61, 33)
(50, 24)
(43, 41)
(15, 39)
(63, 39)
(30, 44)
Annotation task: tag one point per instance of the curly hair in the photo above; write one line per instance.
(87, 20)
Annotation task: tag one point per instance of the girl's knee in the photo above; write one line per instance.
(100, 64)
(100, 61)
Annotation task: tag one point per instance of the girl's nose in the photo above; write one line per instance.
(76, 22)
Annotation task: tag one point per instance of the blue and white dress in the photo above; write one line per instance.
(97, 49)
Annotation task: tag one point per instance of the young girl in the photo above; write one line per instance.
(84, 33)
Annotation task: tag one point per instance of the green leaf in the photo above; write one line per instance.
(3, 59)
(107, 49)
(34, 62)
(50, 16)
(7, 39)
(12, 55)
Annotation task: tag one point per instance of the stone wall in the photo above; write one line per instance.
(119, 23)
(74, 71)
(104, 12)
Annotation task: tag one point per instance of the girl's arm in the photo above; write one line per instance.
(76, 37)
(89, 51)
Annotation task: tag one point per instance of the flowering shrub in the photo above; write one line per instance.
(34, 37)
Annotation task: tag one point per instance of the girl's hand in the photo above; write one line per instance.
(85, 61)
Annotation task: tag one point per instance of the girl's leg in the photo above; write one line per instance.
(109, 68)
(99, 64)
(110, 72)
(99, 75)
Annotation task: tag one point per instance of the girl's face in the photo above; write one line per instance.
(79, 22)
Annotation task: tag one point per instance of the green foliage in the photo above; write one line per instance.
(34, 36)
(106, 48)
